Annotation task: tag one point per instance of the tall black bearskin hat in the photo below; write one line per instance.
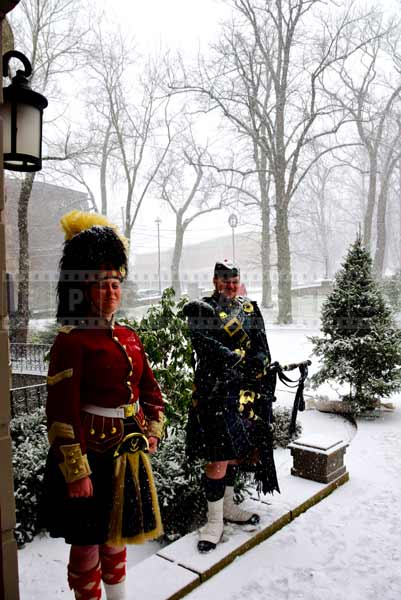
(93, 250)
(226, 269)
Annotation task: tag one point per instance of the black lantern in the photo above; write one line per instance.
(22, 113)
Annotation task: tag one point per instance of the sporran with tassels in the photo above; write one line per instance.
(135, 516)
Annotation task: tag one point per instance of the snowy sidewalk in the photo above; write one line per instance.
(179, 565)
(346, 547)
(43, 562)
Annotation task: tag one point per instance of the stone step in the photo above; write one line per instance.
(178, 568)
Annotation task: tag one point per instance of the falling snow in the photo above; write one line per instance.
(347, 546)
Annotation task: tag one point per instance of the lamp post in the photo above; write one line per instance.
(22, 114)
(158, 221)
(8, 548)
(233, 222)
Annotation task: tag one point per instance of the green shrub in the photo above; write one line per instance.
(29, 447)
(179, 487)
(281, 425)
(164, 334)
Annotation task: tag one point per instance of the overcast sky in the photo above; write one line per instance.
(180, 23)
(187, 25)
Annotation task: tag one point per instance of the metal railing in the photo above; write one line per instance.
(24, 400)
(29, 358)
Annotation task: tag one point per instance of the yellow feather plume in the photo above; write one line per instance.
(76, 221)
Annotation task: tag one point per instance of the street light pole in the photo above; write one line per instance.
(233, 222)
(158, 221)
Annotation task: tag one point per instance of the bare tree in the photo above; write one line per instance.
(326, 212)
(271, 68)
(391, 155)
(370, 95)
(253, 191)
(318, 212)
(190, 190)
(105, 57)
(136, 121)
(257, 84)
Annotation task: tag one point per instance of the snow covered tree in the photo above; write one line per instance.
(361, 344)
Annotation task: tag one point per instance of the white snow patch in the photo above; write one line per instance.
(347, 546)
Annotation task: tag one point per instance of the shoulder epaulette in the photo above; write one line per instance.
(247, 304)
(66, 328)
(245, 299)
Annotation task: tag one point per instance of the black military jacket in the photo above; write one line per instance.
(231, 349)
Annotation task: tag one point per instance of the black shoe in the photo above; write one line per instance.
(204, 546)
(253, 520)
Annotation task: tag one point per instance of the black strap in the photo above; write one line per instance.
(299, 402)
(233, 322)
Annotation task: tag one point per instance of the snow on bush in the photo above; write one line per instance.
(164, 334)
(29, 447)
(281, 425)
(179, 487)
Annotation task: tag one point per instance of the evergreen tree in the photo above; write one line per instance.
(361, 344)
(164, 334)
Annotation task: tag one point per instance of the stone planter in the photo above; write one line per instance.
(318, 458)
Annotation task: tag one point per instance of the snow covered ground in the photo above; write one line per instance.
(347, 546)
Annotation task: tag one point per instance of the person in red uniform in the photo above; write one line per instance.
(104, 412)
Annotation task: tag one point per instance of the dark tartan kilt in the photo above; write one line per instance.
(86, 521)
(80, 521)
(222, 434)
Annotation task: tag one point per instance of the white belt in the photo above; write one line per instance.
(121, 412)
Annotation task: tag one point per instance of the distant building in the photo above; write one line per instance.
(47, 204)
(198, 260)
(197, 263)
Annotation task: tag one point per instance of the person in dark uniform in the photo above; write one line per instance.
(104, 412)
(229, 422)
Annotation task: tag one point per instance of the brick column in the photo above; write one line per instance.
(8, 551)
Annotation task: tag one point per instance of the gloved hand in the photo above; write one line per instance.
(198, 309)
(255, 365)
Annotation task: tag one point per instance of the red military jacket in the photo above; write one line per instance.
(106, 367)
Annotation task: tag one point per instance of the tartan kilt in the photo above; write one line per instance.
(87, 521)
(216, 433)
(225, 434)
